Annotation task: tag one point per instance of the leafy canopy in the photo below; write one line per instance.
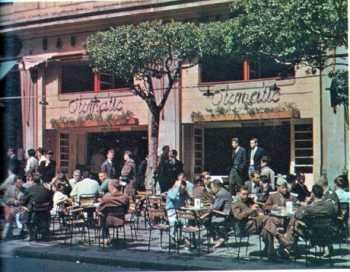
(292, 31)
(151, 49)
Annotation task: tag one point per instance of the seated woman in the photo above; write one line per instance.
(59, 198)
(113, 207)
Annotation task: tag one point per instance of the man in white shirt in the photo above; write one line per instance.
(254, 156)
(86, 186)
(32, 163)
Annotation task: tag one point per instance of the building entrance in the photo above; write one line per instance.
(218, 151)
(135, 141)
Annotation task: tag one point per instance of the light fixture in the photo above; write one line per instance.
(275, 88)
(95, 100)
(208, 93)
(43, 102)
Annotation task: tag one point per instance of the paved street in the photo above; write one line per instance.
(16, 264)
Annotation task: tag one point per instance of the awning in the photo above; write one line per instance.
(5, 67)
(34, 60)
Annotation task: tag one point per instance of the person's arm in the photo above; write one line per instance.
(104, 185)
(243, 160)
(74, 190)
(272, 179)
(241, 214)
(172, 193)
(268, 204)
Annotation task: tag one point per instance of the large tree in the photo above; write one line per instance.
(298, 31)
(142, 54)
(308, 32)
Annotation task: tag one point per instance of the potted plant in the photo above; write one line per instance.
(90, 121)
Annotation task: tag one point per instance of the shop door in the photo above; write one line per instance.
(274, 139)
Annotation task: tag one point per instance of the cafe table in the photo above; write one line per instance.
(194, 224)
(284, 214)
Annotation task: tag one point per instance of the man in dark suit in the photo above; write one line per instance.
(39, 203)
(255, 155)
(47, 168)
(239, 158)
(12, 163)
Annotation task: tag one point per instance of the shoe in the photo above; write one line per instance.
(328, 252)
(285, 243)
(218, 243)
(187, 242)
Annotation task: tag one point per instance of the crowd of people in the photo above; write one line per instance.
(40, 185)
(254, 190)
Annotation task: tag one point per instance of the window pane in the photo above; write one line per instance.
(77, 78)
(267, 67)
(109, 81)
(221, 69)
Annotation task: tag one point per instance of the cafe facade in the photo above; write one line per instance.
(77, 112)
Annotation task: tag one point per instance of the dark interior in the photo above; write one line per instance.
(274, 139)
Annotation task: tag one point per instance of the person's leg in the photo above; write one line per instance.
(232, 180)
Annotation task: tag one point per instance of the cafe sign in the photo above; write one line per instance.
(244, 98)
(83, 106)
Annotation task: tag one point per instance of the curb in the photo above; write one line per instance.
(102, 260)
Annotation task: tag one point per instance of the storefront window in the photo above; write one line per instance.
(229, 69)
(266, 67)
(108, 81)
(221, 69)
(77, 78)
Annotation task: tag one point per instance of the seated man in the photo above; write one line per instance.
(12, 209)
(38, 200)
(254, 183)
(176, 198)
(102, 176)
(279, 198)
(339, 186)
(266, 189)
(219, 213)
(86, 186)
(248, 214)
(319, 207)
(207, 194)
(300, 188)
(273, 224)
(113, 206)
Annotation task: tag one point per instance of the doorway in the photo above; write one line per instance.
(134, 141)
(274, 139)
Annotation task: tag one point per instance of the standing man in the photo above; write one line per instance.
(163, 170)
(176, 166)
(47, 168)
(108, 166)
(239, 158)
(255, 154)
(13, 162)
(128, 173)
(32, 163)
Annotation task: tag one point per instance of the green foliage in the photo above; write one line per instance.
(148, 50)
(292, 31)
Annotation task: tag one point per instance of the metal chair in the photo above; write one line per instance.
(156, 219)
(318, 232)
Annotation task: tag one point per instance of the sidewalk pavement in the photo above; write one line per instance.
(134, 255)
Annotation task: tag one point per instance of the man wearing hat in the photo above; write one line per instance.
(280, 197)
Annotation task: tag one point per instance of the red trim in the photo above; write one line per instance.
(246, 70)
(97, 82)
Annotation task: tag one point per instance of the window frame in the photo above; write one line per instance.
(246, 76)
(96, 81)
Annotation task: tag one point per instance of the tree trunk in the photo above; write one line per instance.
(152, 150)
